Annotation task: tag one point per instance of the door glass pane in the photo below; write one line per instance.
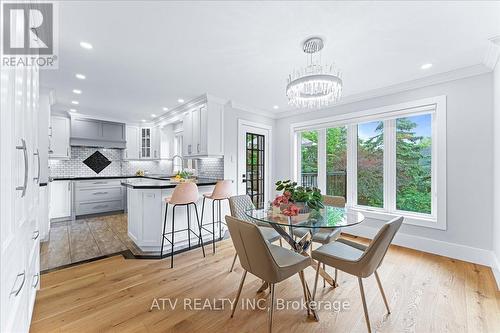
(255, 168)
(309, 158)
(371, 164)
(336, 161)
(413, 163)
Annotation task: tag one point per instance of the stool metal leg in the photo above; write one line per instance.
(164, 227)
(172, 247)
(199, 229)
(189, 226)
(213, 225)
(220, 220)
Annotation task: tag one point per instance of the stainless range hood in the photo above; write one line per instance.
(88, 132)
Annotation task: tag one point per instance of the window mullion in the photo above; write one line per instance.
(352, 160)
(322, 160)
(390, 165)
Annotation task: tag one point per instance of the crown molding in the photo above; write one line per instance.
(493, 53)
(253, 110)
(401, 87)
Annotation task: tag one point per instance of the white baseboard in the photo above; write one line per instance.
(451, 250)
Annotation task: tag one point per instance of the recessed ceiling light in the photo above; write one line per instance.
(75, 102)
(276, 107)
(80, 76)
(426, 66)
(143, 120)
(77, 91)
(180, 100)
(86, 45)
(153, 115)
(165, 108)
(72, 110)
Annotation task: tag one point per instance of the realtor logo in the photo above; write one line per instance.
(29, 34)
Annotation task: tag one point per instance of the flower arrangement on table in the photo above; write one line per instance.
(295, 199)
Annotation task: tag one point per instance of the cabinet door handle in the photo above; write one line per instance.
(100, 193)
(69, 186)
(35, 235)
(37, 178)
(126, 154)
(16, 292)
(67, 152)
(25, 154)
(37, 276)
(198, 147)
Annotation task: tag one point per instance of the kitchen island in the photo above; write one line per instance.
(146, 213)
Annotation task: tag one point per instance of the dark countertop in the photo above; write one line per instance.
(159, 177)
(151, 183)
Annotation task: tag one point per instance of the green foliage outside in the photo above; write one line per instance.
(413, 165)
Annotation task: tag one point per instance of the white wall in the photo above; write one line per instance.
(496, 176)
(469, 164)
(231, 116)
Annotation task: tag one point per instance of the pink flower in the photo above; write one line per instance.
(287, 194)
(280, 199)
(291, 210)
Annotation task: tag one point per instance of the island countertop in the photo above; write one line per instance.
(148, 183)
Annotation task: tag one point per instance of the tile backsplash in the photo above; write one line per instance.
(74, 167)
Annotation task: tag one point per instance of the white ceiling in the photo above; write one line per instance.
(148, 54)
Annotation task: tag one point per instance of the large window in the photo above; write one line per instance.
(370, 164)
(386, 164)
(336, 161)
(413, 163)
(309, 158)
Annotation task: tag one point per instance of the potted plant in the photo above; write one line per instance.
(297, 199)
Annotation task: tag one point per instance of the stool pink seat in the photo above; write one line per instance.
(221, 191)
(183, 194)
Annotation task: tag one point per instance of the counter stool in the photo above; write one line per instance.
(184, 194)
(222, 191)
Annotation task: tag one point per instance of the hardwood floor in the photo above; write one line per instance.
(426, 293)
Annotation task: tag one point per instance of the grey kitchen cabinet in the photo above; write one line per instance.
(97, 133)
(98, 196)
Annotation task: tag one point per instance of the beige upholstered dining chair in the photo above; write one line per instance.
(237, 205)
(324, 236)
(268, 262)
(358, 259)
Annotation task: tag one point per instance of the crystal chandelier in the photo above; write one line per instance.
(314, 86)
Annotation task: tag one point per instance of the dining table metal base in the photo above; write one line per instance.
(301, 246)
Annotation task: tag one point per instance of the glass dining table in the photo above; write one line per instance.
(323, 220)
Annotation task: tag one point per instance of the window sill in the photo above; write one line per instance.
(409, 218)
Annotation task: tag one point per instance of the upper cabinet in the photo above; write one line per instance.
(143, 143)
(203, 135)
(132, 152)
(97, 133)
(59, 138)
(146, 142)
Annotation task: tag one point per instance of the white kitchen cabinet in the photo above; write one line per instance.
(145, 142)
(132, 134)
(156, 143)
(60, 199)
(59, 138)
(19, 235)
(203, 130)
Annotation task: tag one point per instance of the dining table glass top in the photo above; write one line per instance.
(329, 217)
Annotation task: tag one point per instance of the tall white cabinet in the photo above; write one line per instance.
(19, 197)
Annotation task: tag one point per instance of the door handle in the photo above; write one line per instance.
(25, 154)
(18, 290)
(37, 178)
(100, 193)
(37, 276)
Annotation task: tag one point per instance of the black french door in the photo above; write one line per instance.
(255, 162)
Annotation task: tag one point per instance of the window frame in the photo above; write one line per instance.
(436, 106)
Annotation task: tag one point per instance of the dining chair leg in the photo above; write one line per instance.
(234, 261)
(163, 234)
(365, 308)
(271, 307)
(281, 243)
(199, 229)
(382, 292)
(306, 297)
(235, 304)
(324, 281)
(316, 282)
